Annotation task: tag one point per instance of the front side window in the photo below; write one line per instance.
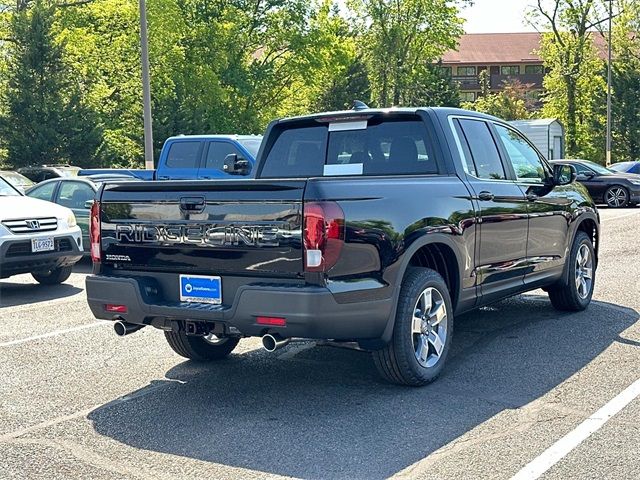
(217, 152)
(483, 149)
(525, 160)
(184, 155)
(44, 192)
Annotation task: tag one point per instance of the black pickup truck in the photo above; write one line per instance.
(372, 228)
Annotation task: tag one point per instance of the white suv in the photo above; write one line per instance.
(36, 237)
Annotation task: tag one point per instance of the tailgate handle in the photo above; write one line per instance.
(192, 204)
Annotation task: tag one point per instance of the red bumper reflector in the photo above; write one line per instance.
(273, 321)
(116, 308)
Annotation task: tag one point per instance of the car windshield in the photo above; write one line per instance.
(599, 169)
(6, 190)
(252, 145)
(621, 167)
(16, 179)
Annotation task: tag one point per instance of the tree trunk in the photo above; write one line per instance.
(572, 130)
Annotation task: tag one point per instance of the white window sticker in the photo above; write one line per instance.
(343, 169)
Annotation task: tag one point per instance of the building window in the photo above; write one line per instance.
(534, 69)
(510, 70)
(466, 71)
(445, 71)
(467, 96)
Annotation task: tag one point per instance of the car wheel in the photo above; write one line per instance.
(198, 348)
(422, 331)
(616, 196)
(576, 294)
(53, 277)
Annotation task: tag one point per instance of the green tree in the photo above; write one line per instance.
(626, 82)
(402, 39)
(574, 83)
(45, 117)
(513, 102)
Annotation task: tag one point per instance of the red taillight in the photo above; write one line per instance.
(94, 232)
(323, 235)
(115, 308)
(273, 321)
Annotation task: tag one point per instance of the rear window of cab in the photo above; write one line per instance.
(371, 147)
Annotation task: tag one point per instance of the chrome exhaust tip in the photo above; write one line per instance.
(271, 343)
(123, 328)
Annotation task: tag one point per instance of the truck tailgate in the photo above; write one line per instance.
(233, 227)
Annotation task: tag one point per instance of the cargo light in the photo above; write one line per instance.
(324, 228)
(272, 321)
(115, 308)
(94, 233)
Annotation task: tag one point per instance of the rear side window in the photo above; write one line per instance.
(44, 192)
(483, 149)
(389, 147)
(184, 155)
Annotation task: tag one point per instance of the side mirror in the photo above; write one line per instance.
(589, 175)
(564, 174)
(234, 165)
(88, 204)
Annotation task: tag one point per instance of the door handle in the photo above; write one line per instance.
(486, 196)
(532, 197)
(192, 204)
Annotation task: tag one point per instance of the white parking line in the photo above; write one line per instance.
(566, 444)
(52, 334)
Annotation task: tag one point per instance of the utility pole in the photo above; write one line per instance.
(146, 89)
(608, 160)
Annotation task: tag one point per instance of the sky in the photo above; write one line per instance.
(497, 16)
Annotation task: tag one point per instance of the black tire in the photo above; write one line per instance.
(567, 297)
(197, 348)
(53, 277)
(609, 193)
(398, 362)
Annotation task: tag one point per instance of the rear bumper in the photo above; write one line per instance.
(310, 311)
(15, 257)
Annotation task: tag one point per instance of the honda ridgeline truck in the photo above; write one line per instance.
(372, 228)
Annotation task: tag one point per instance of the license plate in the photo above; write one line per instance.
(42, 244)
(200, 289)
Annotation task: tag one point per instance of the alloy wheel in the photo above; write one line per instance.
(429, 327)
(584, 271)
(616, 197)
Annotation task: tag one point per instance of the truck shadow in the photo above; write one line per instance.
(323, 412)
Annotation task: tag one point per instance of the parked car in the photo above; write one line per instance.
(615, 189)
(626, 167)
(17, 180)
(76, 193)
(45, 172)
(190, 157)
(136, 173)
(36, 237)
(368, 227)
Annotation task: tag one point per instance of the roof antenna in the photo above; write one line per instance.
(358, 105)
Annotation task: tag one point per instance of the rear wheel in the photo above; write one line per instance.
(53, 277)
(616, 196)
(198, 348)
(422, 331)
(576, 294)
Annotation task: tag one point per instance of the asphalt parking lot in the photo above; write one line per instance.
(78, 402)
